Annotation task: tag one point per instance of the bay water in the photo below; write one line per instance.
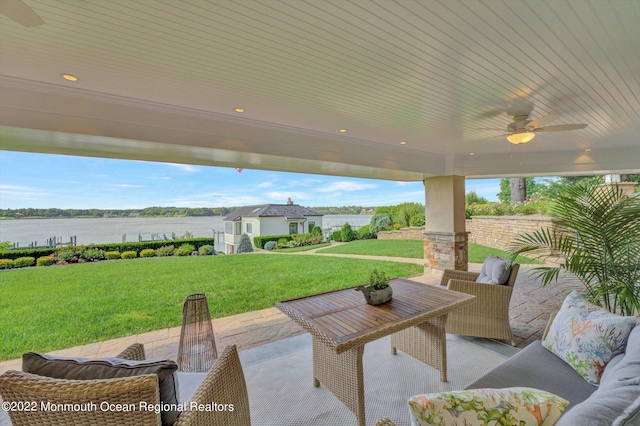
(114, 230)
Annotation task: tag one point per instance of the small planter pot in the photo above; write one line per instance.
(376, 297)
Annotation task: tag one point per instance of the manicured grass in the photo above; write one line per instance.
(48, 308)
(413, 249)
(303, 248)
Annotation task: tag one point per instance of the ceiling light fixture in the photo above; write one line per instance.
(343, 130)
(472, 153)
(521, 137)
(587, 150)
(69, 77)
(239, 109)
(403, 143)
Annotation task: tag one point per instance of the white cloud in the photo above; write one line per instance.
(265, 185)
(347, 186)
(185, 167)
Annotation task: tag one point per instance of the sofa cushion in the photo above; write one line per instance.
(617, 400)
(108, 368)
(479, 406)
(495, 270)
(586, 336)
(536, 367)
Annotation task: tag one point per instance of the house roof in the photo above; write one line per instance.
(160, 81)
(289, 211)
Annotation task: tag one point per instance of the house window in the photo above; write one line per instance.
(238, 228)
(312, 224)
(249, 228)
(293, 227)
(228, 228)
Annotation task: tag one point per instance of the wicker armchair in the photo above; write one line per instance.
(489, 316)
(224, 383)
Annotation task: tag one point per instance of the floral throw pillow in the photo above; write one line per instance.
(509, 406)
(587, 336)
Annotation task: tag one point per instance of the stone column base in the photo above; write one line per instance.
(445, 250)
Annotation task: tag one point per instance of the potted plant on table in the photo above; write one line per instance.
(378, 290)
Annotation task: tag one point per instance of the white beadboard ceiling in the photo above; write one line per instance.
(159, 80)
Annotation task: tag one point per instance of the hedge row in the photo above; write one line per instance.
(119, 247)
(259, 242)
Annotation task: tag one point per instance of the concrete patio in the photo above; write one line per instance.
(531, 306)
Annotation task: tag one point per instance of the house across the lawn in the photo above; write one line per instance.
(268, 219)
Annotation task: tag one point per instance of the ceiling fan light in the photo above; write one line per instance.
(520, 138)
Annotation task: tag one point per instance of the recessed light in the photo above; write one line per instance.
(343, 130)
(403, 142)
(472, 153)
(239, 109)
(587, 150)
(69, 77)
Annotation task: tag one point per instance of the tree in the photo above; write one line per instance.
(530, 187)
(472, 198)
(244, 246)
(518, 187)
(379, 222)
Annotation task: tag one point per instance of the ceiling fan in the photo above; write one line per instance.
(18, 11)
(523, 130)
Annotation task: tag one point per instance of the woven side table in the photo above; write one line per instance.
(197, 350)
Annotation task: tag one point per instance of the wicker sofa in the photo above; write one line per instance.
(223, 383)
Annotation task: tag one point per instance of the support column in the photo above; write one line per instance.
(446, 239)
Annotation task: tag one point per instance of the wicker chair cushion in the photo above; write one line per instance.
(108, 368)
(495, 270)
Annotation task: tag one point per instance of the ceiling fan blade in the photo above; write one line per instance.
(543, 120)
(18, 11)
(561, 127)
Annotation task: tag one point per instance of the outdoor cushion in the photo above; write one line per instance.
(587, 337)
(617, 400)
(480, 406)
(495, 270)
(108, 368)
(536, 367)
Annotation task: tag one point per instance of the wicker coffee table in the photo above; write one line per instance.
(341, 323)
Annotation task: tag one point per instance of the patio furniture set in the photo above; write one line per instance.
(340, 323)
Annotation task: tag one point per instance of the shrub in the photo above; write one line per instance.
(184, 250)
(417, 220)
(14, 254)
(347, 233)
(92, 255)
(68, 255)
(129, 255)
(44, 261)
(270, 245)
(283, 241)
(244, 246)
(259, 242)
(165, 251)
(316, 231)
(23, 262)
(147, 253)
(111, 255)
(205, 251)
(380, 222)
(364, 233)
(6, 263)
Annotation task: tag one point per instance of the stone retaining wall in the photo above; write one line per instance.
(411, 233)
(499, 231)
(490, 231)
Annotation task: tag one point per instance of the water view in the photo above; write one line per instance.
(112, 230)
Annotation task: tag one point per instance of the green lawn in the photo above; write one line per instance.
(48, 308)
(413, 249)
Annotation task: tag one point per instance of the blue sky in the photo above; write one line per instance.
(59, 181)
